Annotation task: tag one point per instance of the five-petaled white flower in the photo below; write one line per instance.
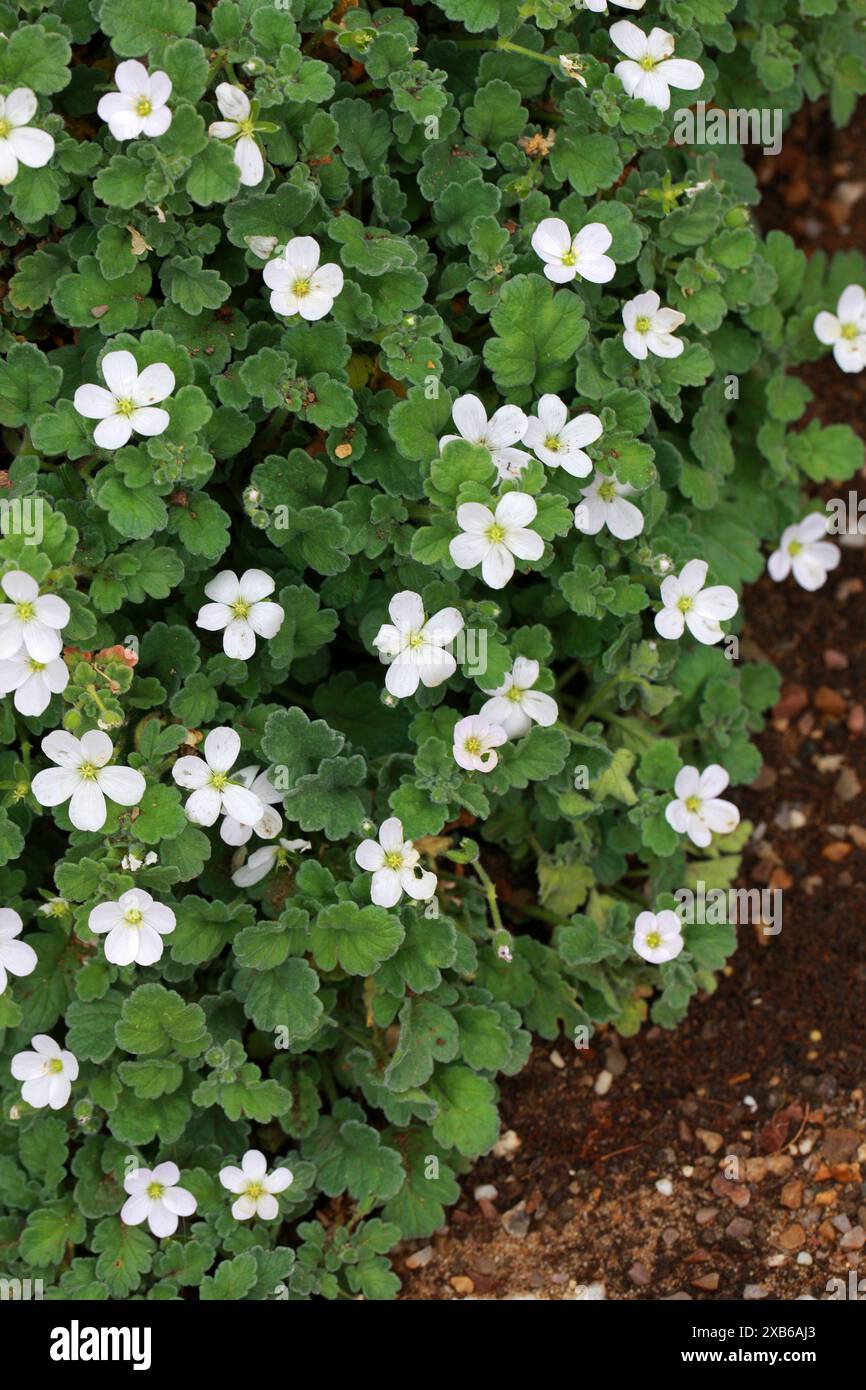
(298, 284)
(83, 778)
(30, 623)
(650, 69)
(34, 682)
(600, 6)
(846, 329)
(504, 429)
(254, 1187)
(128, 404)
(16, 957)
(393, 862)
(697, 811)
(558, 441)
(515, 706)
(261, 861)
(604, 504)
(239, 125)
(47, 1072)
(155, 1197)
(658, 936)
(271, 823)
(239, 606)
(476, 740)
(687, 604)
(804, 548)
(21, 143)
(213, 791)
(492, 540)
(138, 107)
(566, 256)
(649, 328)
(135, 925)
(416, 647)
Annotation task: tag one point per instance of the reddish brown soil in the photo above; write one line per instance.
(769, 1072)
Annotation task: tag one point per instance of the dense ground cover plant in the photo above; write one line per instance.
(395, 415)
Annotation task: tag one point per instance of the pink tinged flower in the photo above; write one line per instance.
(135, 926)
(493, 540)
(138, 107)
(649, 328)
(476, 739)
(805, 550)
(239, 609)
(155, 1197)
(687, 604)
(558, 441)
(658, 936)
(566, 256)
(83, 778)
(271, 823)
(515, 706)
(650, 69)
(30, 623)
(846, 329)
(127, 405)
(255, 1188)
(21, 143)
(234, 105)
(213, 790)
(604, 504)
(298, 284)
(417, 648)
(47, 1072)
(697, 811)
(393, 862)
(16, 957)
(498, 434)
(262, 861)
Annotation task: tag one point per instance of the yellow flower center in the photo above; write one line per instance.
(642, 325)
(155, 1191)
(416, 639)
(132, 917)
(88, 771)
(653, 940)
(514, 694)
(57, 909)
(219, 780)
(647, 63)
(495, 533)
(607, 492)
(849, 331)
(55, 1066)
(685, 604)
(473, 744)
(24, 611)
(241, 608)
(256, 1190)
(301, 288)
(125, 407)
(795, 547)
(393, 859)
(246, 128)
(693, 804)
(35, 666)
(5, 128)
(143, 107)
(570, 257)
(552, 443)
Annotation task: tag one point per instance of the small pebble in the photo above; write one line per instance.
(603, 1082)
(665, 1187)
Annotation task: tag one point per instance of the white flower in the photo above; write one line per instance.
(232, 832)
(658, 936)
(20, 143)
(128, 404)
(558, 441)
(135, 926)
(393, 862)
(697, 811)
(805, 550)
(846, 329)
(566, 256)
(31, 621)
(213, 791)
(155, 1197)
(132, 863)
(515, 706)
(54, 907)
(16, 957)
(261, 861)
(138, 107)
(239, 607)
(298, 284)
(415, 646)
(600, 6)
(476, 739)
(604, 504)
(492, 540)
(48, 1073)
(234, 104)
(254, 1187)
(687, 604)
(504, 428)
(34, 682)
(650, 70)
(82, 774)
(648, 328)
